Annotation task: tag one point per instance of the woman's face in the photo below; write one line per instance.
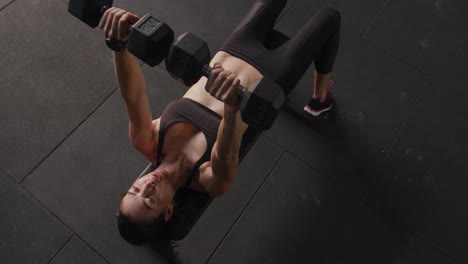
(147, 198)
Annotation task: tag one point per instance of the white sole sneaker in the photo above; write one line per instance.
(315, 113)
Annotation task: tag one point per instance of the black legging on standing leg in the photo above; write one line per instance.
(278, 57)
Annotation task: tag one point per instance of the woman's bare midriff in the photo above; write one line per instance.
(246, 73)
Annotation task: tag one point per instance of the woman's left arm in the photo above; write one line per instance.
(225, 154)
(218, 174)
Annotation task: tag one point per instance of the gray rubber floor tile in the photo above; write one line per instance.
(29, 233)
(371, 105)
(223, 212)
(355, 15)
(55, 71)
(81, 182)
(425, 183)
(300, 217)
(429, 35)
(77, 252)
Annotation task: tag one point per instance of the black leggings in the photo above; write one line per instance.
(278, 57)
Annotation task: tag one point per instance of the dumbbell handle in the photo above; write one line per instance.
(241, 90)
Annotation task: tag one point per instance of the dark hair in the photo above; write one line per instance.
(188, 206)
(138, 233)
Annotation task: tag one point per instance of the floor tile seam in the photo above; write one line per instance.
(395, 57)
(315, 170)
(67, 136)
(357, 197)
(381, 8)
(9, 176)
(351, 32)
(274, 141)
(56, 217)
(362, 36)
(5, 6)
(92, 248)
(89, 247)
(403, 125)
(397, 135)
(288, 151)
(244, 209)
(43, 207)
(61, 248)
(434, 245)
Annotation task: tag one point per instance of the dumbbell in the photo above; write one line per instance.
(188, 60)
(149, 39)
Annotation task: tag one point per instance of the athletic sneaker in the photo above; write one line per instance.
(315, 107)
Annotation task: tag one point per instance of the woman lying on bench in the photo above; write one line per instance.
(195, 143)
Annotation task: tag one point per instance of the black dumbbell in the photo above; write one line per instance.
(149, 39)
(188, 60)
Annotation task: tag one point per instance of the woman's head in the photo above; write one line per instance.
(146, 207)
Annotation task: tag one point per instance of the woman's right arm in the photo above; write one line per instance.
(115, 23)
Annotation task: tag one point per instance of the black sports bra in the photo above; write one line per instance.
(187, 110)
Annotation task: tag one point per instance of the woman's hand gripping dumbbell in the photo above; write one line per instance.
(147, 38)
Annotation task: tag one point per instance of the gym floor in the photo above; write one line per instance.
(381, 179)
